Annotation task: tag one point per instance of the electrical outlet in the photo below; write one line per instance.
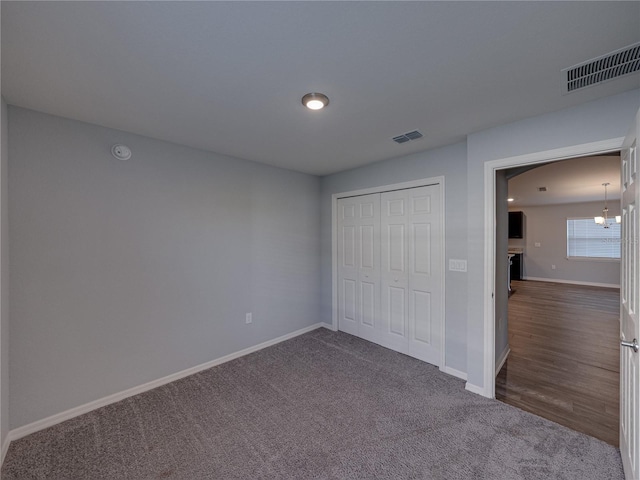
(248, 318)
(537, 244)
(553, 267)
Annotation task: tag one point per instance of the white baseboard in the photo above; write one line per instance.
(454, 372)
(5, 448)
(475, 389)
(116, 397)
(503, 358)
(572, 282)
(328, 326)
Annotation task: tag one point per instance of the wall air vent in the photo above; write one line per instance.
(601, 69)
(405, 137)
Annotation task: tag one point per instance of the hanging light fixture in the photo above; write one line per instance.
(604, 219)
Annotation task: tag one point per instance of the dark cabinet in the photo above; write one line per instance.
(516, 225)
(516, 267)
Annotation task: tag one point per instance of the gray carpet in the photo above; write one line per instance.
(323, 405)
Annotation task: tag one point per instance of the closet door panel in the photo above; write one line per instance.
(359, 265)
(393, 277)
(369, 266)
(424, 258)
(348, 252)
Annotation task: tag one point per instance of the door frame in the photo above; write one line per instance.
(490, 168)
(334, 245)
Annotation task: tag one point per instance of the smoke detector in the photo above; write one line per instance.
(121, 152)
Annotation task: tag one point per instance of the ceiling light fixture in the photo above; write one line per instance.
(604, 220)
(315, 101)
(510, 199)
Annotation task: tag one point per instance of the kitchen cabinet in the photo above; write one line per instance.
(516, 267)
(516, 224)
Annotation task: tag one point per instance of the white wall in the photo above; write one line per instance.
(602, 119)
(547, 225)
(4, 275)
(448, 162)
(125, 272)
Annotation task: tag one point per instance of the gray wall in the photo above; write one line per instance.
(4, 274)
(602, 119)
(449, 162)
(502, 264)
(125, 272)
(547, 225)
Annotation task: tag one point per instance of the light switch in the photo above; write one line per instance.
(456, 265)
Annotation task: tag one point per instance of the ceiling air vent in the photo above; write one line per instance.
(542, 189)
(405, 137)
(601, 69)
(401, 139)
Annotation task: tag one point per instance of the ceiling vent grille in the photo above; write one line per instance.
(405, 137)
(601, 69)
(542, 189)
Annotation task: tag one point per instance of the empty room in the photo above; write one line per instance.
(264, 239)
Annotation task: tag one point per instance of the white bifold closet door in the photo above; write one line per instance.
(389, 270)
(359, 266)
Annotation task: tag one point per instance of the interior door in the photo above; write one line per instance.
(629, 323)
(411, 314)
(359, 266)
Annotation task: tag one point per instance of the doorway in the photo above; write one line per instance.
(563, 323)
(490, 170)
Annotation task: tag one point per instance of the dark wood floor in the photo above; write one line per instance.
(564, 360)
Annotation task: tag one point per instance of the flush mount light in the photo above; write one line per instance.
(315, 101)
(510, 199)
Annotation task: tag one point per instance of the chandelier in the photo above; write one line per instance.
(604, 220)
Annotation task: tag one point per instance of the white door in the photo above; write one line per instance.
(411, 310)
(629, 323)
(359, 265)
(394, 277)
(425, 288)
(389, 269)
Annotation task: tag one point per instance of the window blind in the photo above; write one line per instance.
(587, 239)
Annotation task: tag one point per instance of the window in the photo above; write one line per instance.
(587, 239)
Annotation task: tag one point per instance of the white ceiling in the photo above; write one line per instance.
(228, 76)
(568, 181)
